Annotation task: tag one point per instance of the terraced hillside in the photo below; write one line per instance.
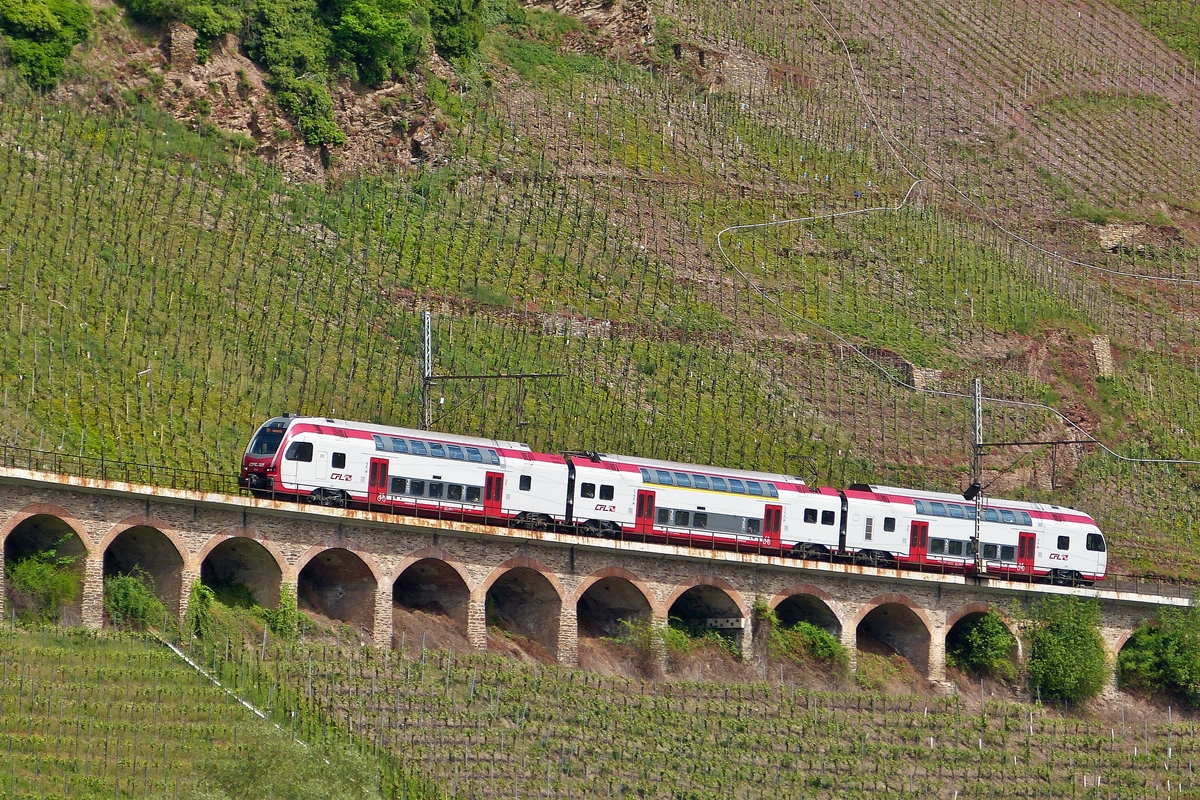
(1003, 191)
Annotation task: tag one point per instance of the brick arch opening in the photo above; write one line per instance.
(242, 572)
(608, 603)
(804, 607)
(707, 607)
(148, 550)
(961, 621)
(336, 583)
(433, 586)
(894, 627)
(524, 602)
(37, 534)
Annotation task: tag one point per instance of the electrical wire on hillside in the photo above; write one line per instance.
(917, 180)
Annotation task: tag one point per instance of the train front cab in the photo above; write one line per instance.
(260, 463)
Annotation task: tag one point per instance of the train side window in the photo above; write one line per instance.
(754, 527)
(1095, 543)
(990, 515)
(969, 511)
(455, 452)
(474, 455)
(937, 546)
(379, 445)
(398, 485)
(1025, 520)
(771, 490)
(664, 477)
(454, 492)
(587, 490)
(399, 445)
(436, 450)
(525, 483)
(435, 489)
(810, 516)
(956, 511)
(700, 482)
(889, 524)
(1064, 543)
(991, 551)
(664, 516)
(495, 459)
(869, 530)
(954, 548)
(919, 505)
(416, 487)
(606, 491)
(299, 451)
(700, 520)
(828, 517)
(736, 486)
(938, 509)
(718, 484)
(681, 518)
(682, 480)
(1008, 516)
(418, 448)
(1008, 553)
(755, 488)
(339, 461)
(472, 494)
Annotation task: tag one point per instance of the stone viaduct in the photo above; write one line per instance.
(355, 566)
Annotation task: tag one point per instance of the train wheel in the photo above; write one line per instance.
(809, 551)
(330, 498)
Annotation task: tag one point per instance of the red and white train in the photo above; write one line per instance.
(340, 463)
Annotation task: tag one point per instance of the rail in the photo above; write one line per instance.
(158, 476)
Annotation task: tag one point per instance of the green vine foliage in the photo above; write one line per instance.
(42, 584)
(284, 621)
(1164, 657)
(198, 621)
(983, 645)
(40, 34)
(1066, 652)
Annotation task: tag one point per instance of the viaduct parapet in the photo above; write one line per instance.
(356, 566)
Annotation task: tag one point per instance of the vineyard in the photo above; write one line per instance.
(1003, 192)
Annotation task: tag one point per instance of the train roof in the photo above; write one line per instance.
(702, 469)
(958, 498)
(411, 433)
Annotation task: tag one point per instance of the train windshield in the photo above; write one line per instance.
(266, 441)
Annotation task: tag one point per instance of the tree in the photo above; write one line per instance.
(40, 35)
(982, 644)
(457, 26)
(1164, 656)
(376, 36)
(1066, 652)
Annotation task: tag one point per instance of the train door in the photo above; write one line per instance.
(644, 520)
(1026, 545)
(493, 494)
(918, 541)
(378, 480)
(772, 524)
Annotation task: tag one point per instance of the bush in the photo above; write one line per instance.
(376, 36)
(42, 584)
(1066, 652)
(40, 35)
(198, 621)
(130, 602)
(805, 641)
(1164, 657)
(284, 621)
(457, 26)
(982, 645)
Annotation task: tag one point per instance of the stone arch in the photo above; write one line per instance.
(706, 599)
(36, 529)
(432, 580)
(522, 596)
(609, 597)
(807, 603)
(893, 623)
(339, 583)
(243, 557)
(974, 610)
(144, 544)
